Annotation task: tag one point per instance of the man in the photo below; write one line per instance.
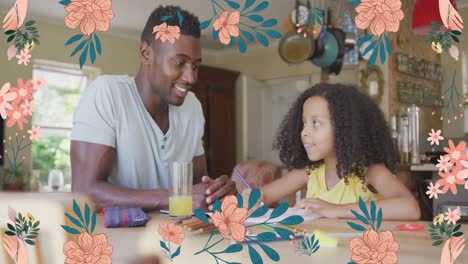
(127, 131)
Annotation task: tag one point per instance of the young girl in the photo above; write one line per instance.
(337, 142)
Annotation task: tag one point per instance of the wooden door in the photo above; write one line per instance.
(216, 91)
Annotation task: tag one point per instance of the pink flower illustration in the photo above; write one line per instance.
(227, 26)
(90, 15)
(378, 248)
(5, 98)
(172, 232)
(16, 117)
(28, 107)
(452, 216)
(35, 132)
(379, 15)
(231, 221)
(450, 180)
(444, 163)
(38, 83)
(16, 15)
(11, 52)
(92, 249)
(434, 137)
(24, 92)
(165, 32)
(433, 190)
(456, 153)
(23, 57)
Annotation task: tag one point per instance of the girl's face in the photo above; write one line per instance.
(318, 133)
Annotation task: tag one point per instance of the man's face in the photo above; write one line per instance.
(173, 68)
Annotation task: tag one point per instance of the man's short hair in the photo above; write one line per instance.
(190, 25)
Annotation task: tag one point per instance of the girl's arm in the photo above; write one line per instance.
(397, 203)
(284, 186)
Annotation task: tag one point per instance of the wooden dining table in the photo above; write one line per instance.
(130, 243)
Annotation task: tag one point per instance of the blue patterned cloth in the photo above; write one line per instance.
(352, 56)
(124, 217)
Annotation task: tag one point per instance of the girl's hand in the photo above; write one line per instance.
(319, 207)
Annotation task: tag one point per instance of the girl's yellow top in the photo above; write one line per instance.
(340, 193)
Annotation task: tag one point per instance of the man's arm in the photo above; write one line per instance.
(199, 168)
(91, 164)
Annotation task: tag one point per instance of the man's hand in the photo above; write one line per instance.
(199, 196)
(218, 188)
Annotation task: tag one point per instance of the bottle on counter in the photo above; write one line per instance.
(395, 136)
(404, 136)
(414, 134)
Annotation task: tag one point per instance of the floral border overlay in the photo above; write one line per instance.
(24, 229)
(379, 24)
(170, 232)
(236, 24)
(87, 245)
(89, 23)
(17, 106)
(165, 32)
(24, 34)
(229, 217)
(453, 106)
(453, 169)
(372, 239)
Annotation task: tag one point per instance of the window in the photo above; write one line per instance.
(53, 113)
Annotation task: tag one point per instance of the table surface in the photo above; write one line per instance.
(414, 246)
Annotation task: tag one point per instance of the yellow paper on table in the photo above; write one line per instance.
(325, 239)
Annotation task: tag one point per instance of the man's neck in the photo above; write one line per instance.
(153, 102)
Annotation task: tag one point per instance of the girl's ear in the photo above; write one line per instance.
(146, 52)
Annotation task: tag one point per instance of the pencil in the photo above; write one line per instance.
(196, 227)
(192, 223)
(207, 228)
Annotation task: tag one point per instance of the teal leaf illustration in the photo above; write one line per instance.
(163, 245)
(269, 23)
(92, 55)
(279, 210)
(372, 58)
(181, 18)
(217, 206)
(438, 243)
(255, 18)
(373, 211)
(455, 32)
(248, 35)
(30, 242)
(201, 215)
(65, 2)
(369, 48)
(30, 23)
(356, 226)
(351, 262)
(254, 197)
(260, 7)
(284, 233)
(457, 234)
(83, 57)
(456, 228)
(232, 4)
(248, 3)
(360, 217)
(74, 39)
(292, 220)
(364, 39)
(70, 230)
(231, 249)
(379, 219)
(36, 41)
(271, 253)
(215, 34)
(383, 55)
(78, 48)
(262, 39)
(254, 256)
(355, 3)
(259, 212)
(9, 32)
(205, 24)
(176, 253)
(273, 34)
(9, 233)
(74, 220)
(10, 38)
(240, 200)
(266, 236)
(98, 44)
(93, 222)
(455, 38)
(387, 43)
(232, 40)
(12, 228)
(165, 18)
(87, 211)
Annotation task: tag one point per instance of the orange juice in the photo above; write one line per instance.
(180, 206)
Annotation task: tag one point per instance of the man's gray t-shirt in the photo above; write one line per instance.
(112, 113)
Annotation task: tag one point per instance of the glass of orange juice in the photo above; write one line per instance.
(180, 190)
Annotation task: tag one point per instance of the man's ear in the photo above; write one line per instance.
(146, 52)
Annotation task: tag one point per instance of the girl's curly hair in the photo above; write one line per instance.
(362, 136)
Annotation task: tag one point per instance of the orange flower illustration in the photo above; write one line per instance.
(89, 249)
(379, 15)
(90, 15)
(456, 153)
(374, 247)
(231, 221)
(227, 22)
(165, 32)
(172, 232)
(450, 180)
